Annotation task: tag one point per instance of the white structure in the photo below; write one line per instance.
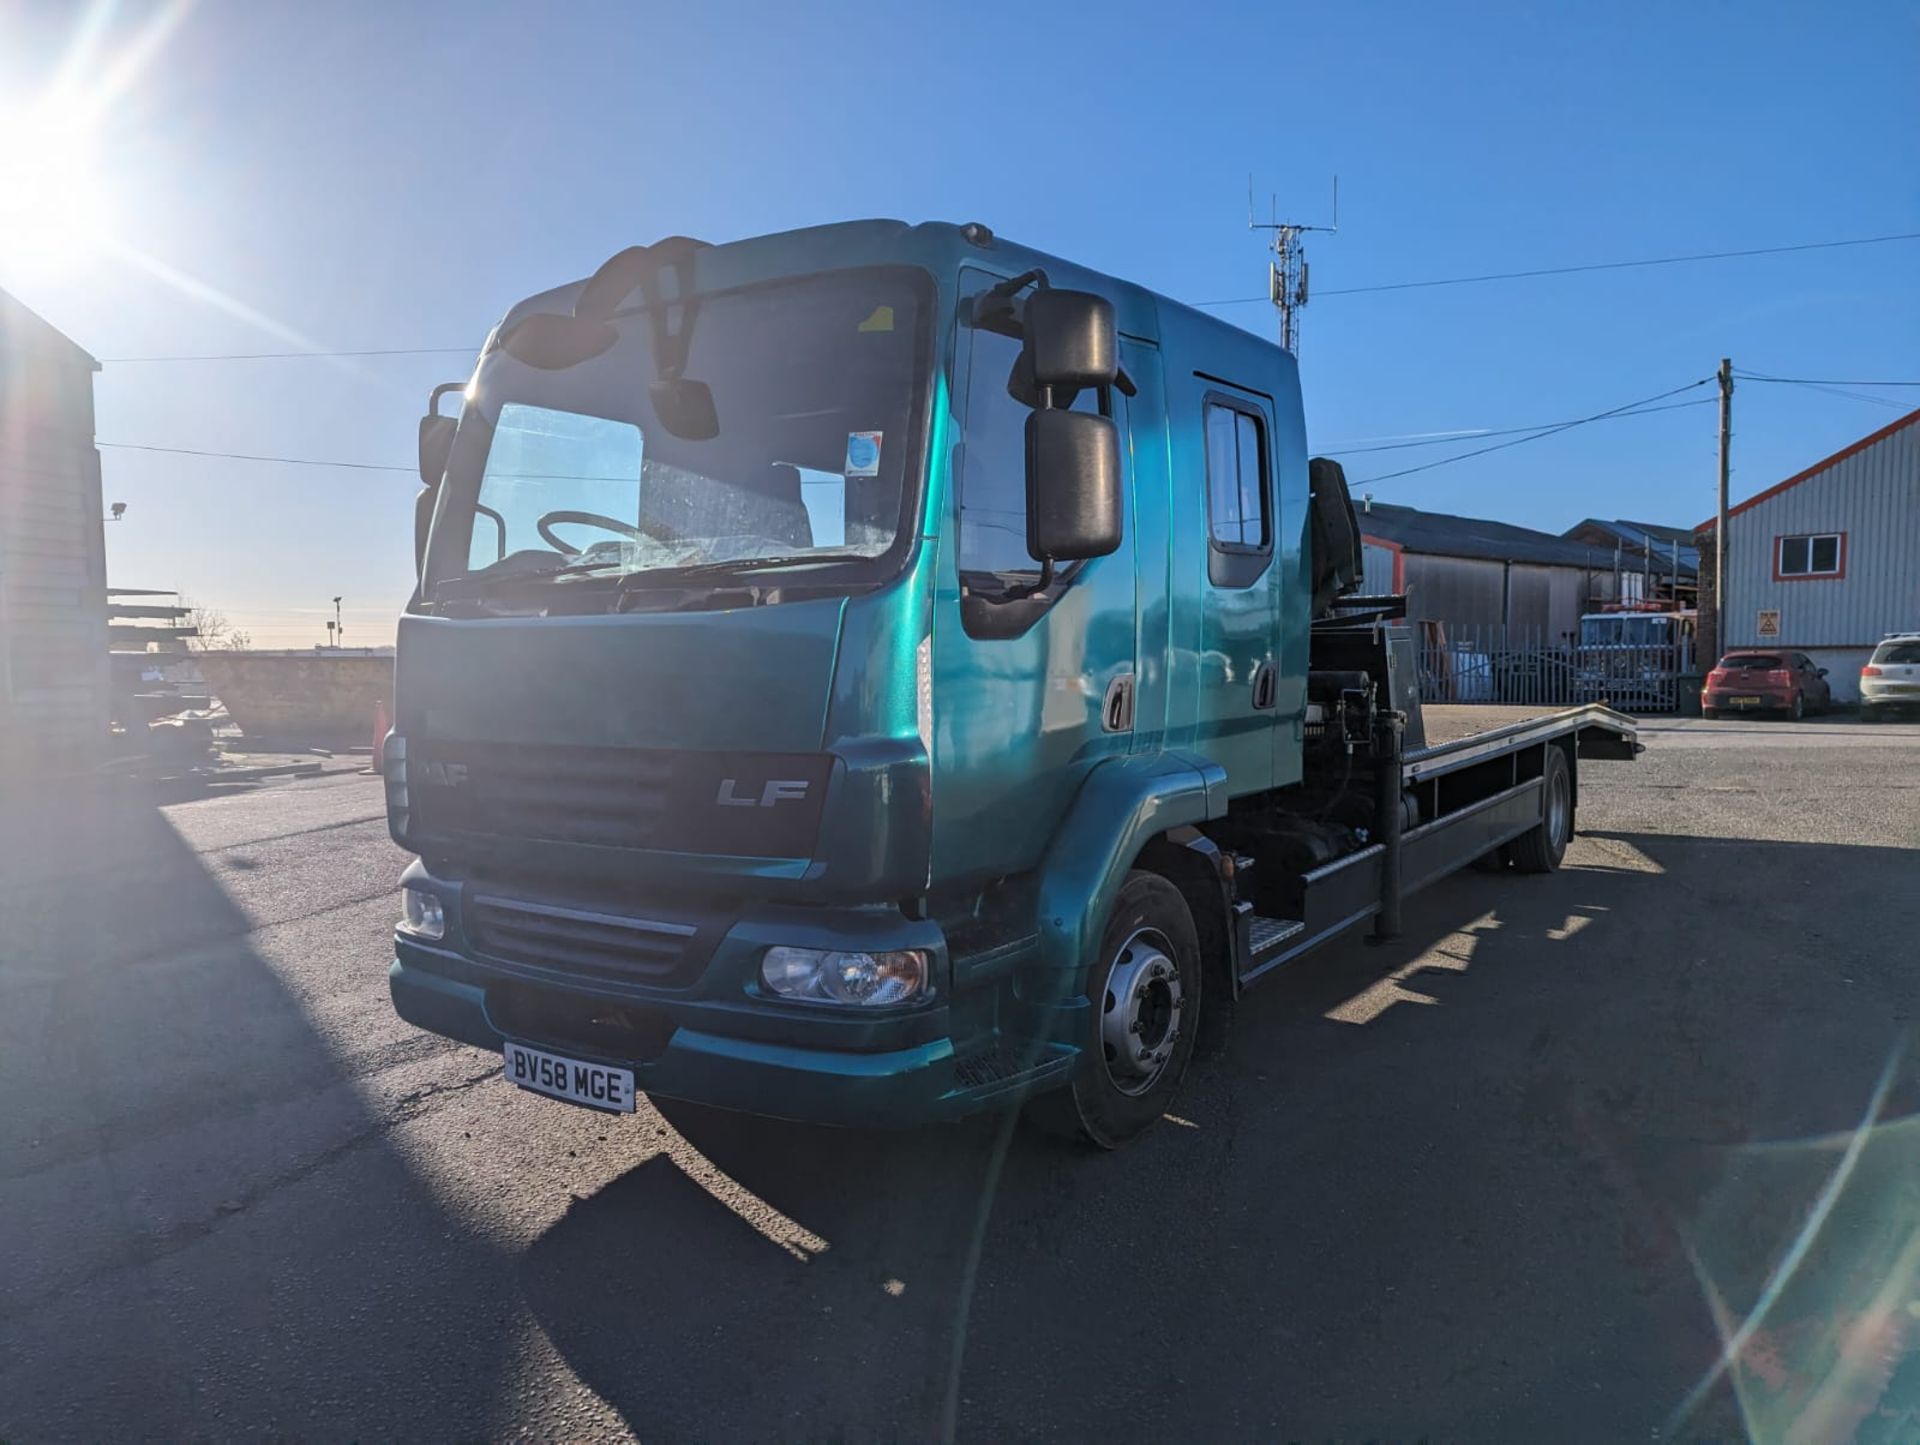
(1828, 561)
(53, 600)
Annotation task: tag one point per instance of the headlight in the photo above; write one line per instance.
(421, 914)
(834, 976)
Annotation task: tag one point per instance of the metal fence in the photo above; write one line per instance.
(1522, 665)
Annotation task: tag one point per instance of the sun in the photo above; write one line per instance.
(54, 209)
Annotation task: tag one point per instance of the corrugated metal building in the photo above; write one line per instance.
(1828, 561)
(53, 574)
(1664, 562)
(1468, 572)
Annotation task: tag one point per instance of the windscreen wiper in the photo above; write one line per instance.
(479, 584)
(668, 576)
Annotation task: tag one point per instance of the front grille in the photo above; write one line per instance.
(745, 804)
(614, 797)
(608, 947)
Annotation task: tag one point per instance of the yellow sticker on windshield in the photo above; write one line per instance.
(881, 320)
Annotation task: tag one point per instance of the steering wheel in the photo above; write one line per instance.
(547, 523)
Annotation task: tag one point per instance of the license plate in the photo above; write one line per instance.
(598, 1086)
(1744, 701)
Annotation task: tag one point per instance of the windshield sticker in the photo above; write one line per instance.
(863, 453)
(880, 320)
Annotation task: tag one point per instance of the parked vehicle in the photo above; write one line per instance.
(1633, 657)
(876, 673)
(1890, 681)
(1766, 680)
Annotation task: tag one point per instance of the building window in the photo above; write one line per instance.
(1819, 554)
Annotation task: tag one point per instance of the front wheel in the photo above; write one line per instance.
(1144, 997)
(1540, 849)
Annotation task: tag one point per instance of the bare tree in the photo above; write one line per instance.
(213, 632)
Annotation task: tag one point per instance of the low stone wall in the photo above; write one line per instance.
(316, 696)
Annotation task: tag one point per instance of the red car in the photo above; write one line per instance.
(1755, 680)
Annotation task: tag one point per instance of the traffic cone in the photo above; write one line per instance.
(380, 726)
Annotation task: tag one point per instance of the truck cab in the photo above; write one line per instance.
(844, 669)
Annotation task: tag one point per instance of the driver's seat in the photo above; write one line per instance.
(780, 508)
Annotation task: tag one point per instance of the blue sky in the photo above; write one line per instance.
(370, 175)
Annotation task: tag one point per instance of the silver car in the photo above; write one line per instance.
(1891, 678)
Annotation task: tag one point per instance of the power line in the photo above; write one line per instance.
(1817, 381)
(1591, 266)
(249, 457)
(1849, 395)
(294, 355)
(1476, 433)
(1535, 436)
(348, 466)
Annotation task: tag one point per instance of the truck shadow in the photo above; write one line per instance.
(1444, 1187)
(203, 1228)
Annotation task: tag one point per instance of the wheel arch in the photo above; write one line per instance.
(1126, 806)
(1195, 864)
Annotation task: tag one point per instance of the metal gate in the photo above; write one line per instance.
(1495, 663)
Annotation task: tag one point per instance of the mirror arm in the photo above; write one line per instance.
(1020, 592)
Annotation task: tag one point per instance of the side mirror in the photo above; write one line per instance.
(436, 441)
(436, 445)
(1074, 507)
(1071, 339)
(1823, 672)
(436, 435)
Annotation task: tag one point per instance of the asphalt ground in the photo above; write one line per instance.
(1513, 1177)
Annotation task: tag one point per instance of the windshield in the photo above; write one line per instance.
(1899, 652)
(1624, 631)
(814, 385)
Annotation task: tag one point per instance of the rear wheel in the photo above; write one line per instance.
(1799, 708)
(1145, 1003)
(1540, 848)
(1709, 712)
(1870, 713)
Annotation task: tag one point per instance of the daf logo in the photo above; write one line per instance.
(778, 790)
(445, 775)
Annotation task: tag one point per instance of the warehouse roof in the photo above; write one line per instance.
(1440, 535)
(1818, 467)
(1638, 537)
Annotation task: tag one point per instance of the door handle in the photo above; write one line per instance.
(1116, 713)
(1265, 686)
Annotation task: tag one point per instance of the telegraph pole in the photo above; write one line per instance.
(1720, 516)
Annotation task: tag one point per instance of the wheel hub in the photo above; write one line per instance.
(1142, 1012)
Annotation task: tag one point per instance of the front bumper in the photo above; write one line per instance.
(719, 1040)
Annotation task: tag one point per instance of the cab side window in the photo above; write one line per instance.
(1239, 492)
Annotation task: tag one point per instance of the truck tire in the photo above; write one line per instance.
(1540, 848)
(1145, 996)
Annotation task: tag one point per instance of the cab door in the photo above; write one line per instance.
(1029, 692)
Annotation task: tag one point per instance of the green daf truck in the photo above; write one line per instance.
(880, 672)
